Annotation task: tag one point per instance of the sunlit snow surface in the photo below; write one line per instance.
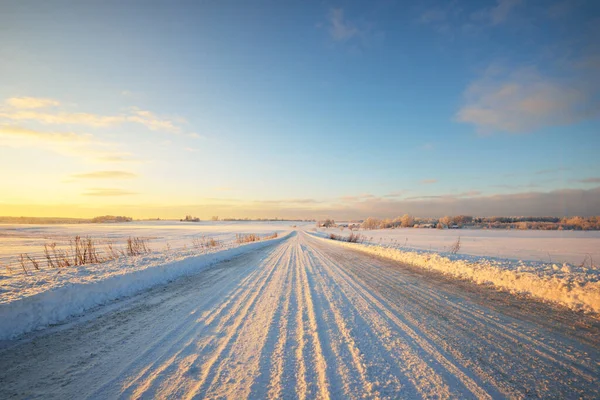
(575, 285)
(50, 295)
(532, 245)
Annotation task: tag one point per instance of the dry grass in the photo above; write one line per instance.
(353, 238)
(253, 237)
(81, 251)
(455, 248)
(137, 246)
(206, 242)
(246, 238)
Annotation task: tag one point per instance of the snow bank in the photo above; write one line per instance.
(576, 287)
(27, 305)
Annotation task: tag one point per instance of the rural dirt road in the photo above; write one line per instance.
(306, 318)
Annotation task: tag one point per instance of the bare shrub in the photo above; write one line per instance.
(205, 242)
(355, 238)
(246, 238)
(455, 248)
(22, 262)
(136, 246)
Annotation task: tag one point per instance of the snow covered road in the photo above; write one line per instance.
(307, 319)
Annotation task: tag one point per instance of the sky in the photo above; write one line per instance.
(299, 109)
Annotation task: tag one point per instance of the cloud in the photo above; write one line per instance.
(66, 143)
(398, 193)
(21, 109)
(152, 122)
(470, 193)
(433, 15)
(429, 181)
(495, 15)
(31, 102)
(500, 13)
(108, 192)
(360, 197)
(529, 186)
(340, 29)
(590, 180)
(105, 175)
(524, 100)
(551, 170)
(19, 132)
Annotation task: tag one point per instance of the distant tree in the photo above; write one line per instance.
(447, 221)
(408, 221)
(371, 223)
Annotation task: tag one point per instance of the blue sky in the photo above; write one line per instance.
(299, 109)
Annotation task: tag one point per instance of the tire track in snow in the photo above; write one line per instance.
(562, 360)
(303, 319)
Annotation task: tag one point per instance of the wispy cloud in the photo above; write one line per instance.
(25, 109)
(105, 175)
(108, 192)
(360, 197)
(551, 170)
(497, 14)
(590, 180)
(80, 145)
(31, 102)
(396, 194)
(524, 100)
(470, 193)
(340, 28)
(431, 15)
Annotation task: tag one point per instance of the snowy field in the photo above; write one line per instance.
(16, 239)
(576, 286)
(32, 300)
(308, 319)
(540, 246)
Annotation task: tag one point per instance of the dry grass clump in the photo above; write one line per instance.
(253, 237)
(353, 238)
(455, 248)
(81, 251)
(137, 246)
(205, 242)
(246, 238)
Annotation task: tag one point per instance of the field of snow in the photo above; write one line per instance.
(308, 319)
(574, 286)
(540, 246)
(32, 301)
(30, 239)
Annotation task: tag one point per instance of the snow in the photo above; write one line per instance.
(307, 318)
(559, 247)
(16, 239)
(577, 287)
(49, 296)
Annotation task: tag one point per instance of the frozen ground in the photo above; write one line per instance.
(306, 318)
(546, 246)
(30, 301)
(30, 239)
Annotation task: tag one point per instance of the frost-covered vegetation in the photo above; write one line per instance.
(574, 286)
(57, 220)
(467, 221)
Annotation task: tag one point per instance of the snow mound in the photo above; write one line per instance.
(28, 304)
(576, 287)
